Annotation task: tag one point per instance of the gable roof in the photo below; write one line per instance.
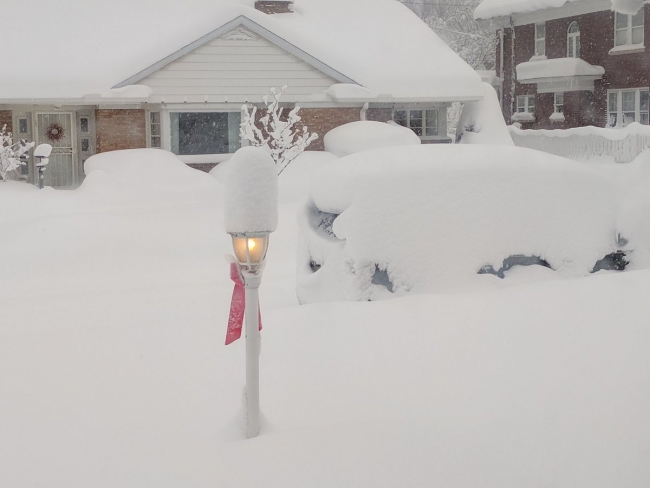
(379, 44)
(240, 21)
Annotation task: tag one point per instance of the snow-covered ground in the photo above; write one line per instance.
(114, 301)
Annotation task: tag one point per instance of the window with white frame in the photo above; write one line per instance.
(628, 30)
(198, 133)
(558, 103)
(155, 134)
(526, 104)
(573, 41)
(423, 122)
(540, 39)
(627, 106)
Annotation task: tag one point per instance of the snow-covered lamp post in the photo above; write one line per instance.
(251, 214)
(42, 153)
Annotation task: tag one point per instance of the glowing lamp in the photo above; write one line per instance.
(250, 249)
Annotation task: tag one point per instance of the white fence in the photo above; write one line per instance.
(583, 143)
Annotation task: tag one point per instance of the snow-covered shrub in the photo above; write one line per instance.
(10, 152)
(144, 174)
(365, 135)
(482, 122)
(278, 133)
(429, 218)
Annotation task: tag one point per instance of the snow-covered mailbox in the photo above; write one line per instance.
(251, 214)
(42, 153)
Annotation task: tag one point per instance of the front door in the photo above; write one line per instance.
(57, 129)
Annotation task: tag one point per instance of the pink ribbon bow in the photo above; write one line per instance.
(237, 306)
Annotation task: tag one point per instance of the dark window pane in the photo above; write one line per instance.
(202, 133)
(155, 117)
(22, 126)
(400, 118)
(85, 145)
(84, 124)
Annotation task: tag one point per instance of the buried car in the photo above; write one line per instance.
(437, 218)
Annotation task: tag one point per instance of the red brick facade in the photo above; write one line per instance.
(323, 120)
(5, 119)
(628, 70)
(120, 129)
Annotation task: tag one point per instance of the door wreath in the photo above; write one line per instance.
(54, 132)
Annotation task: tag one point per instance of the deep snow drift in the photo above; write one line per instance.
(114, 300)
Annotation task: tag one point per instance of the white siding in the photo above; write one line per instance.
(236, 71)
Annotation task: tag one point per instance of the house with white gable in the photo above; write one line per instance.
(178, 79)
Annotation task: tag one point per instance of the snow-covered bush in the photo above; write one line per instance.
(10, 152)
(278, 133)
(365, 135)
(429, 218)
(482, 122)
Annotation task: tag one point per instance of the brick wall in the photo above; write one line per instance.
(379, 114)
(274, 6)
(120, 129)
(323, 120)
(596, 39)
(5, 118)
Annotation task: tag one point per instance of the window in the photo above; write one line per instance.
(423, 122)
(155, 138)
(573, 41)
(540, 39)
(22, 126)
(558, 103)
(196, 133)
(526, 104)
(627, 106)
(628, 29)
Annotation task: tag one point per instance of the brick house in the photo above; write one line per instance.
(184, 93)
(571, 65)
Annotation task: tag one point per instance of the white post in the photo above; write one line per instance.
(251, 314)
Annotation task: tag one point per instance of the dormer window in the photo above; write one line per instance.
(540, 39)
(573, 41)
(629, 29)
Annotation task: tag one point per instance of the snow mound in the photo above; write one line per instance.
(251, 199)
(629, 7)
(482, 122)
(498, 8)
(364, 135)
(418, 219)
(143, 170)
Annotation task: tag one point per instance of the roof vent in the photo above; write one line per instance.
(274, 6)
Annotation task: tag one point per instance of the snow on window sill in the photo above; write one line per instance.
(523, 117)
(556, 117)
(540, 57)
(627, 49)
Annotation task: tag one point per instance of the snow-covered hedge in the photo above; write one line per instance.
(428, 218)
(365, 135)
(583, 143)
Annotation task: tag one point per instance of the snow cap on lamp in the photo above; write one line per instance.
(251, 201)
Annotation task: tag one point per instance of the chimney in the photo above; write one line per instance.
(274, 6)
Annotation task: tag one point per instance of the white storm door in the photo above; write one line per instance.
(58, 130)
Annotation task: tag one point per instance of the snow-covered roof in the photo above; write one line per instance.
(557, 68)
(379, 44)
(498, 8)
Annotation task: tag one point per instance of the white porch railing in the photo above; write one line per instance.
(582, 143)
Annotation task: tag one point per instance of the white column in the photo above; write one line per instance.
(251, 314)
